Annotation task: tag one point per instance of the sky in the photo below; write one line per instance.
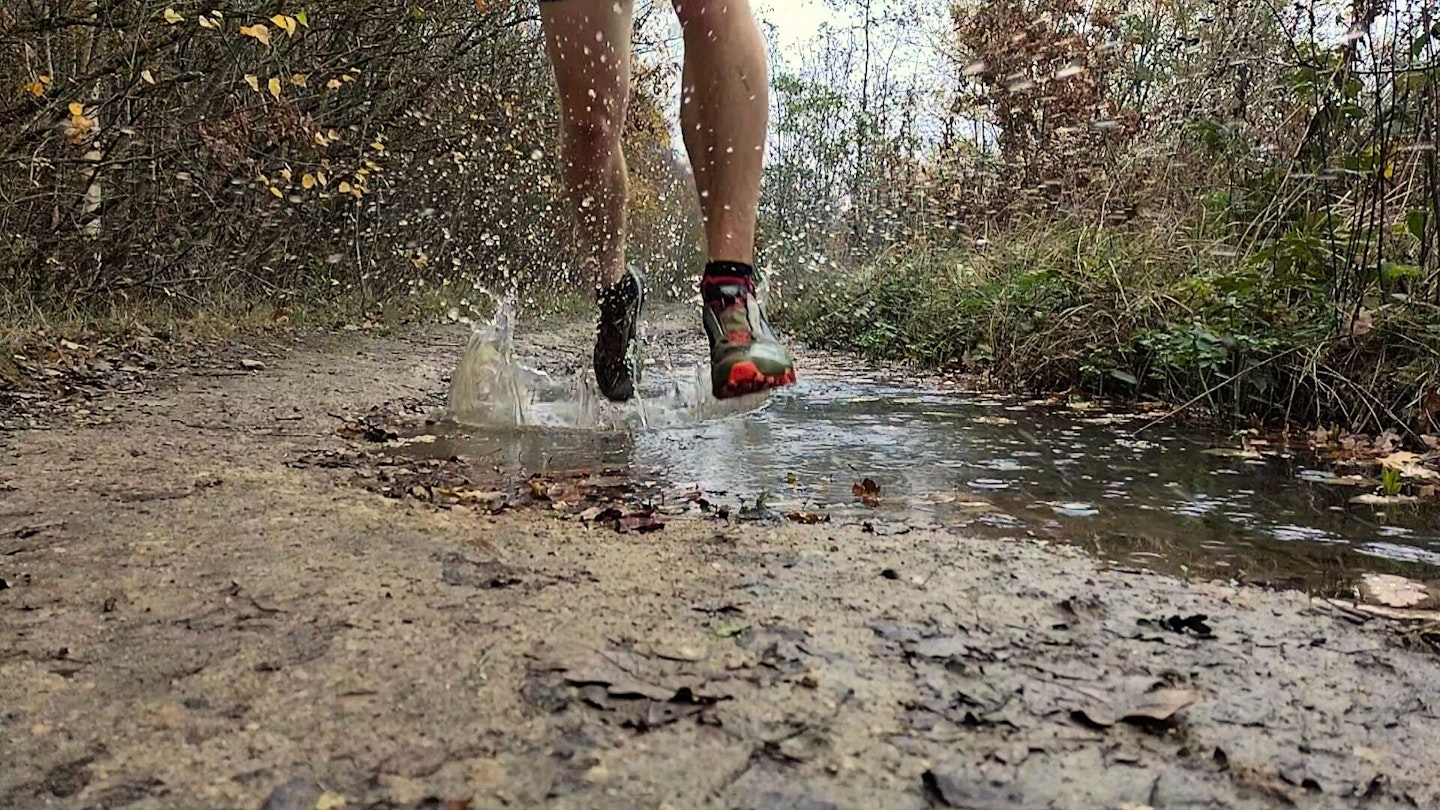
(795, 22)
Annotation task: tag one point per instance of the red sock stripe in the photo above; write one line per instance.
(744, 280)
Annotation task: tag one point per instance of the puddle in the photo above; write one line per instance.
(992, 466)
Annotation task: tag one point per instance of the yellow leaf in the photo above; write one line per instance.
(253, 80)
(276, 192)
(1389, 170)
(274, 87)
(308, 181)
(35, 88)
(80, 127)
(344, 187)
(320, 178)
(147, 76)
(172, 17)
(259, 31)
(205, 22)
(333, 83)
(298, 79)
(377, 146)
(347, 77)
(303, 19)
(286, 22)
(286, 173)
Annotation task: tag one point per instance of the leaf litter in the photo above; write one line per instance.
(643, 691)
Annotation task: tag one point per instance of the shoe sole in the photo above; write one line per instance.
(747, 378)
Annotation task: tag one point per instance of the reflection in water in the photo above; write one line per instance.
(991, 466)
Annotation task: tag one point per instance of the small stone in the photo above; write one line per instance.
(251, 365)
(297, 794)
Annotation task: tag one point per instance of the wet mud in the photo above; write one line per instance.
(215, 600)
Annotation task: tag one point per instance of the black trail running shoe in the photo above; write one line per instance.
(617, 342)
(745, 354)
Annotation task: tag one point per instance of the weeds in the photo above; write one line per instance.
(1145, 311)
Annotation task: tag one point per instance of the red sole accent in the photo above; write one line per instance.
(745, 378)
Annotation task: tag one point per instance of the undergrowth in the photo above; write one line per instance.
(1138, 311)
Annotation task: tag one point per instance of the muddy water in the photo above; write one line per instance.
(1161, 497)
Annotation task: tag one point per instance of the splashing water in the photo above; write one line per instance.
(493, 387)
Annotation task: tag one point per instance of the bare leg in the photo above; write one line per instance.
(589, 46)
(724, 113)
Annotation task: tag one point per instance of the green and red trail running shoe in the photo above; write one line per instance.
(617, 336)
(745, 355)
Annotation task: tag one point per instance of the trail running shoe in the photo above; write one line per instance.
(745, 355)
(617, 342)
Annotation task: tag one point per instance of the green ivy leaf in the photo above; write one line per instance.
(1415, 222)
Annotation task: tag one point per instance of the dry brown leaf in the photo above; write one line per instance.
(1409, 465)
(867, 491)
(1392, 591)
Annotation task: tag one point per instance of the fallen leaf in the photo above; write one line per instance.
(1408, 465)
(1160, 705)
(808, 518)
(1155, 706)
(253, 80)
(1393, 591)
(956, 785)
(730, 629)
(1398, 614)
(147, 76)
(259, 31)
(172, 17)
(639, 522)
(490, 499)
(618, 672)
(601, 513)
(867, 491)
(285, 22)
(367, 430)
(488, 574)
(274, 86)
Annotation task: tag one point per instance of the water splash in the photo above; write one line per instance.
(493, 387)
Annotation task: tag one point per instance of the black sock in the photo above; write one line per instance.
(729, 270)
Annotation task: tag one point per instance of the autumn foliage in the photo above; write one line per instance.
(366, 149)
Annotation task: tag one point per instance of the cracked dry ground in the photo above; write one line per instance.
(192, 617)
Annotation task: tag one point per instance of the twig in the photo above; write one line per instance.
(30, 531)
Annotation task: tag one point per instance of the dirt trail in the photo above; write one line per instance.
(194, 614)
